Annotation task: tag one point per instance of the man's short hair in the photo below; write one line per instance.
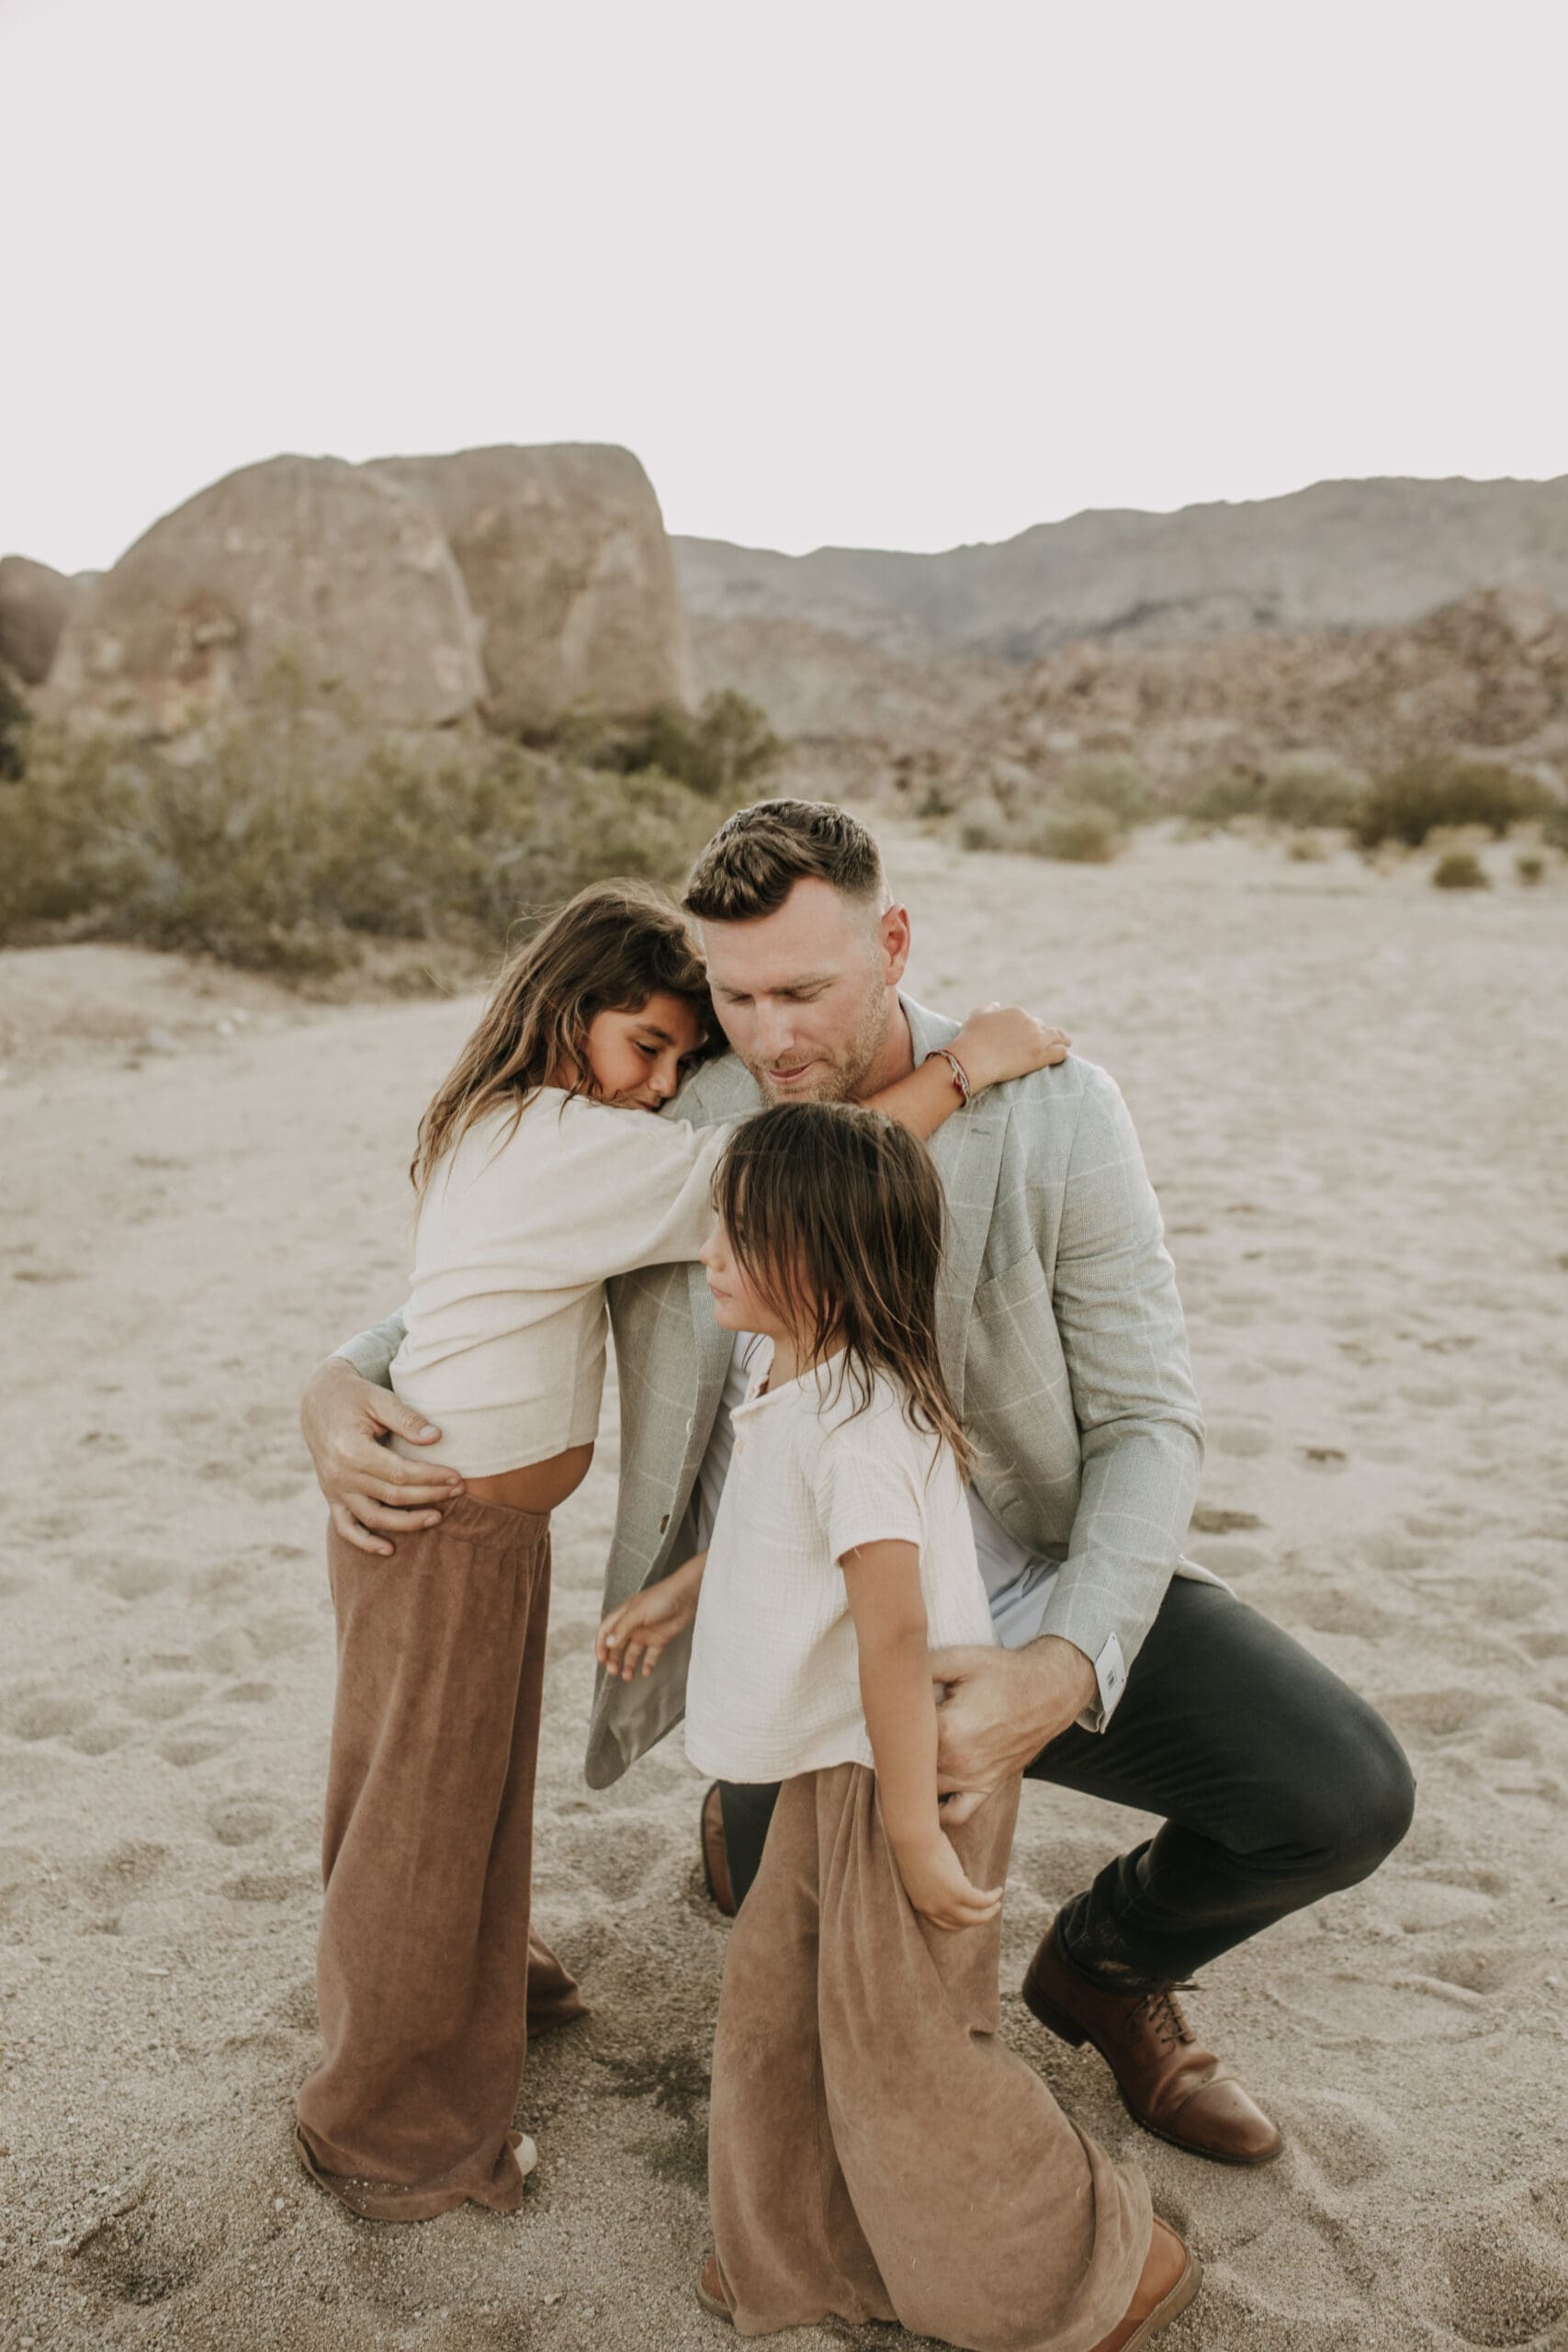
(757, 857)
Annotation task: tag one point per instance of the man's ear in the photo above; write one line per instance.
(893, 943)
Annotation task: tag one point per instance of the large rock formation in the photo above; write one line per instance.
(570, 573)
(34, 602)
(325, 566)
(1342, 555)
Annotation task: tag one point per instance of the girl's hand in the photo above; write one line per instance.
(639, 1631)
(1002, 1041)
(940, 1888)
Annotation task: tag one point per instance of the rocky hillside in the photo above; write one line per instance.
(1488, 674)
(1344, 555)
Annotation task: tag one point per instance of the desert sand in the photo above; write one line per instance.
(1350, 1089)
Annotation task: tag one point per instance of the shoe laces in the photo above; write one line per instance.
(1164, 2012)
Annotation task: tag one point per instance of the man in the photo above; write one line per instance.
(1127, 1670)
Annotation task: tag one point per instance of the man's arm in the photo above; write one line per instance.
(1124, 1341)
(346, 1412)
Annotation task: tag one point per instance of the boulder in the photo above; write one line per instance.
(308, 561)
(34, 601)
(569, 572)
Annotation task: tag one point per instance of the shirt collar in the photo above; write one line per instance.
(758, 1400)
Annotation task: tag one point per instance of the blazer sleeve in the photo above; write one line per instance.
(1140, 1430)
(371, 1352)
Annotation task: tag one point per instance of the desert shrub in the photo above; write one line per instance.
(716, 752)
(1076, 836)
(1302, 793)
(1223, 798)
(1298, 793)
(1530, 866)
(1115, 785)
(1554, 825)
(15, 719)
(1406, 803)
(985, 825)
(1460, 869)
(250, 852)
(1305, 849)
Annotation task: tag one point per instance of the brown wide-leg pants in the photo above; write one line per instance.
(426, 1945)
(874, 2152)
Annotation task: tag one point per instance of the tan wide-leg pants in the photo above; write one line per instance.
(874, 2152)
(429, 1978)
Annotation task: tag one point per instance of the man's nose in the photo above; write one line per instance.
(775, 1031)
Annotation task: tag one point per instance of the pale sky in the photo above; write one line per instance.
(871, 272)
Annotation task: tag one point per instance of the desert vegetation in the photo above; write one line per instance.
(281, 844)
(1087, 813)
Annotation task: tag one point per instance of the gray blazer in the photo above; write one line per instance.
(1062, 1337)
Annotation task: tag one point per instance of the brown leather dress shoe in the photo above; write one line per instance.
(1171, 2277)
(1169, 2084)
(715, 1855)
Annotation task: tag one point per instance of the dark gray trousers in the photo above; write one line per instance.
(1277, 1784)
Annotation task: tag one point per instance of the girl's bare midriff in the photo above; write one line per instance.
(538, 1486)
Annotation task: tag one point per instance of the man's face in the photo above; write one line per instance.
(807, 995)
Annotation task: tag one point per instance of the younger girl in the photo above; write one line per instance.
(874, 2153)
(536, 1178)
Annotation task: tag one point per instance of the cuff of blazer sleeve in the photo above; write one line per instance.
(367, 1353)
(1077, 1618)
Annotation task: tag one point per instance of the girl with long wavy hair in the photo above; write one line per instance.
(874, 2153)
(538, 1174)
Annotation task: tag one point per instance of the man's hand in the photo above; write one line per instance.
(1002, 1707)
(367, 1485)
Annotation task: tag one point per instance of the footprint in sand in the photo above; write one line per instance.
(130, 1579)
(161, 1699)
(1347, 2139)
(1241, 1438)
(268, 1886)
(30, 1711)
(194, 1749)
(1441, 1714)
(1506, 2278)
(241, 1821)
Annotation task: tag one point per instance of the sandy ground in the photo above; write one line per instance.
(1351, 1094)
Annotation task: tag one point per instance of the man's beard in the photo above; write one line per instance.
(841, 1079)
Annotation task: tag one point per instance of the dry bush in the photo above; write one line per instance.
(716, 752)
(1421, 796)
(1077, 836)
(1530, 866)
(15, 720)
(1115, 786)
(1299, 792)
(1460, 869)
(274, 849)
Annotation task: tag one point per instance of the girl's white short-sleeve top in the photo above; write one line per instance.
(773, 1685)
(521, 1226)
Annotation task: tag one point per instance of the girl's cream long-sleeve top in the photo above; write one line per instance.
(521, 1226)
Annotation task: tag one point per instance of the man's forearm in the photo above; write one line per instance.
(371, 1352)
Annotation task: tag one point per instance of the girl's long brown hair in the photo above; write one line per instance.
(608, 950)
(836, 1215)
